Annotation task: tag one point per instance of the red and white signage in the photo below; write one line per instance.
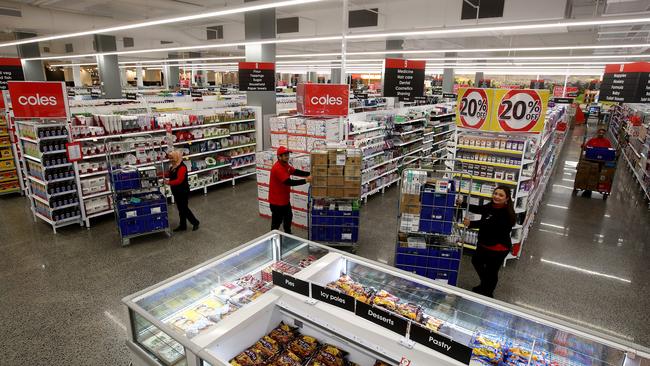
(73, 151)
(323, 99)
(474, 108)
(38, 99)
(520, 110)
(559, 92)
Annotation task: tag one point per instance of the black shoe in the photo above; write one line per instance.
(195, 227)
(180, 228)
(586, 194)
(476, 289)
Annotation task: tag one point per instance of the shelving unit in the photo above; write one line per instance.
(52, 181)
(10, 176)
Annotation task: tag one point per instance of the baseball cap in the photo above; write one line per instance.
(283, 150)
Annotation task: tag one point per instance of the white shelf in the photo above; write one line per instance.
(194, 172)
(374, 154)
(57, 166)
(366, 130)
(212, 124)
(75, 204)
(98, 194)
(199, 140)
(442, 115)
(244, 166)
(29, 157)
(29, 139)
(91, 174)
(241, 132)
(380, 164)
(241, 155)
(50, 138)
(409, 142)
(102, 213)
(211, 184)
(413, 152)
(421, 119)
(379, 176)
(53, 152)
(63, 193)
(220, 150)
(245, 175)
(119, 135)
(409, 132)
(376, 190)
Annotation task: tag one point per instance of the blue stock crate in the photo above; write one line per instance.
(123, 181)
(157, 222)
(444, 253)
(412, 260)
(438, 199)
(417, 270)
(443, 263)
(322, 233)
(132, 226)
(600, 153)
(322, 221)
(450, 276)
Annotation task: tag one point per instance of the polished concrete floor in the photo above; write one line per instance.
(586, 261)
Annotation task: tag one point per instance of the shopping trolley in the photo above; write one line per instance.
(430, 235)
(595, 170)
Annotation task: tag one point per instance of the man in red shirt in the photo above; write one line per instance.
(280, 188)
(600, 140)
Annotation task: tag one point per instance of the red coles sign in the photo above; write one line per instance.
(38, 99)
(323, 99)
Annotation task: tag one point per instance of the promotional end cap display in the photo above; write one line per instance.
(283, 150)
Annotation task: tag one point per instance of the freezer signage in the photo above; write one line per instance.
(404, 79)
(332, 297)
(38, 99)
(291, 283)
(10, 69)
(256, 76)
(382, 317)
(441, 344)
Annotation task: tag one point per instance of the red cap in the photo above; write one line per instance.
(283, 150)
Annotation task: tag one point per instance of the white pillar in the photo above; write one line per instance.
(76, 76)
(139, 76)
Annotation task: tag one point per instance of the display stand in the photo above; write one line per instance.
(139, 203)
(429, 236)
(11, 180)
(334, 197)
(52, 186)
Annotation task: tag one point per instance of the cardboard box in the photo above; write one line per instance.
(410, 203)
(319, 181)
(334, 181)
(352, 170)
(352, 192)
(335, 192)
(336, 157)
(319, 158)
(319, 192)
(352, 182)
(353, 160)
(319, 171)
(335, 171)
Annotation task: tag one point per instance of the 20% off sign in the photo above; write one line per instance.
(520, 111)
(473, 110)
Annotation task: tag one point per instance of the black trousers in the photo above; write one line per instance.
(184, 212)
(281, 215)
(487, 264)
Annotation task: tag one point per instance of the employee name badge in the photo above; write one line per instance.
(340, 159)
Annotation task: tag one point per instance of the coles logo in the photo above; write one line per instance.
(30, 99)
(323, 99)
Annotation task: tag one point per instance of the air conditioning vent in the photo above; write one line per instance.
(484, 8)
(363, 18)
(288, 25)
(10, 12)
(69, 48)
(128, 42)
(215, 32)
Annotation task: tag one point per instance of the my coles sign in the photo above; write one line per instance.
(323, 99)
(36, 99)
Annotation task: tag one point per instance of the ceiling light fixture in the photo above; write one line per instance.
(186, 18)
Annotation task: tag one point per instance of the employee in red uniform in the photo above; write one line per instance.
(280, 188)
(181, 190)
(494, 243)
(600, 140)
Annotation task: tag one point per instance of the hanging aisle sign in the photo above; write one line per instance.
(256, 76)
(519, 110)
(323, 99)
(38, 99)
(474, 108)
(627, 83)
(10, 69)
(537, 84)
(403, 79)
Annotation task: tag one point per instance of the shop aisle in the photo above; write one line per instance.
(586, 260)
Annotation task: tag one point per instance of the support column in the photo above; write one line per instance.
(32, 70)
(76, 76)
(312, 77)
(165, 75)
(109, 69)
(397, 45)
(448, 80)
(261, 25)
(477, 78)
(124, 77)
(139, 76)
(335, 76)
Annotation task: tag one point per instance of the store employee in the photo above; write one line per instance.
(280, 188)
(600, 140)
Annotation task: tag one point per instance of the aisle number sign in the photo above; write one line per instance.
(474, 110)
(519, 110)
(502, 110)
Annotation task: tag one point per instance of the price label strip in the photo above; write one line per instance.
(520, 110)
(474, 108)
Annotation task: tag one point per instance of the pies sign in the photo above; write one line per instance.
(38, 99)
(323, 99)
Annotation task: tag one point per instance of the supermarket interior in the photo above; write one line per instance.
(367, 182)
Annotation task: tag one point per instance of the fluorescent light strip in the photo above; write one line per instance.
(585, 270)
(187, 18)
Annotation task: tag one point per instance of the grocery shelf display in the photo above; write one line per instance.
(10, 175)
(282, 297)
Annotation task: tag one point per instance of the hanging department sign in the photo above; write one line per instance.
(10, 69)
(519, 110)
(403, 79)
(256, 76)
(474, 108)
(627, 83)
(38, 99)
(323, 99)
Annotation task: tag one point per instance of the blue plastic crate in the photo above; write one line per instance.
(600, 153)
(132, 226)
(417, 270)
(156, 222)
(440, 227)
(444, 253)
(436, 274)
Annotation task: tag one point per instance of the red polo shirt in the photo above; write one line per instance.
(599, 142)
(278, 191)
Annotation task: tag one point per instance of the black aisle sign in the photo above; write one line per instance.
(332, 297)
(382, 317)
(537, 84)
(71, 93)
(628, 83)
(450, 96)
(95, 94)
(131, 96)
(441, 344)
(563, 100)
(10, 70)
(404, 79)
(291, 283)
(256, 76)
(196, 94)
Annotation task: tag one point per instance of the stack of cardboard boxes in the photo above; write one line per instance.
(336, 173)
